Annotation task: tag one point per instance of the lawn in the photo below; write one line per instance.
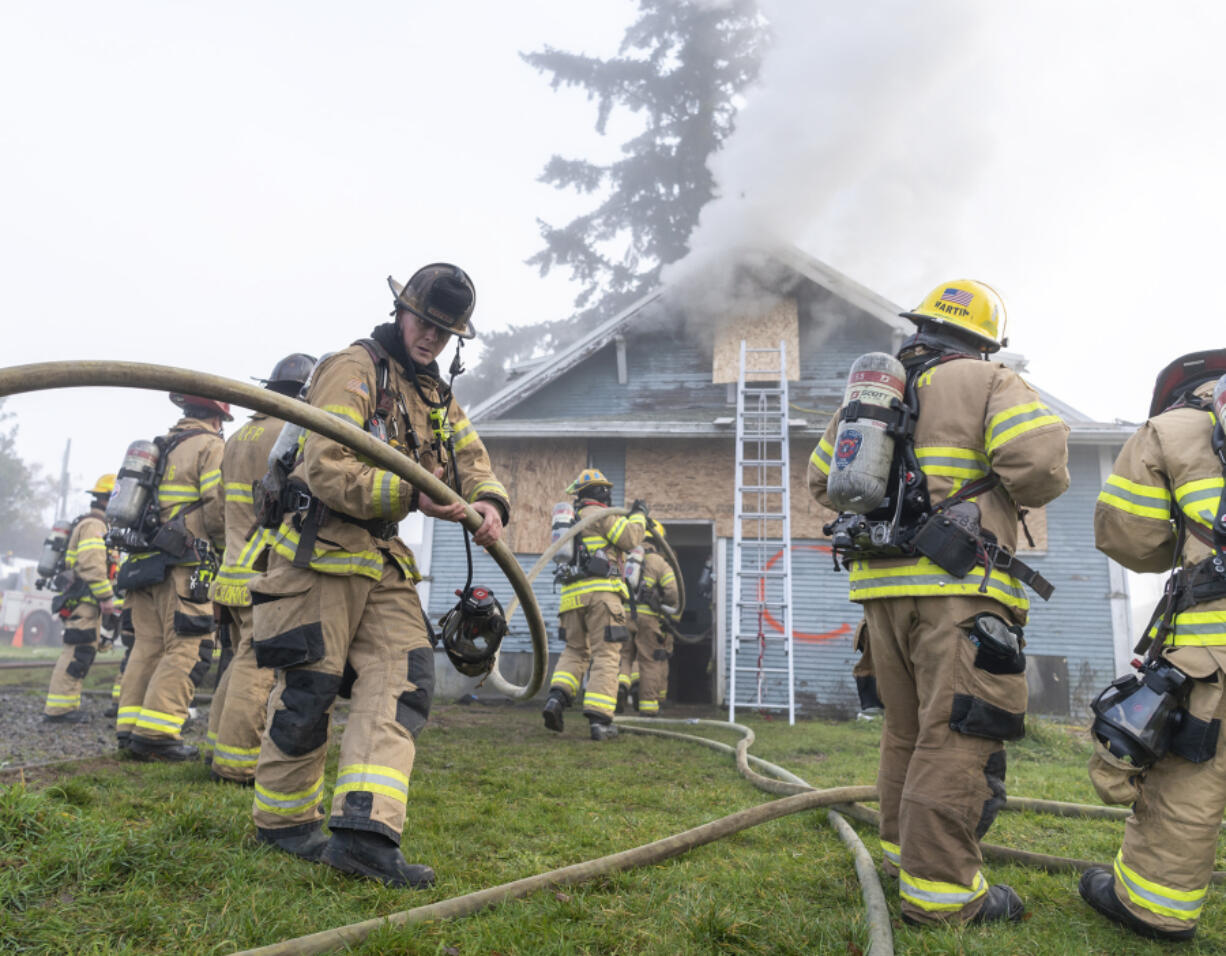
(119, 857)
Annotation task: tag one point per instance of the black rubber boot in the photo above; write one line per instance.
(553, 711)
(373, 855)
(168, 751)
(602, 730)
(1097, 887)
(71, 717)
(306, 841)
(623, 692)
(112, 711)
(124, 742)
(1000, 905)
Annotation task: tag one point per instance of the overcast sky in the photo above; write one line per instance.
(215, 185)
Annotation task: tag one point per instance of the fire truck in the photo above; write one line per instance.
(25, 611)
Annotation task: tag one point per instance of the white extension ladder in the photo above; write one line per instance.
(761, 672)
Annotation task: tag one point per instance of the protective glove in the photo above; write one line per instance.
(639, 506)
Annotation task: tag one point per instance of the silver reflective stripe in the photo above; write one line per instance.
(385, 494)
(266, 799)
(360, 779)
(999, 428)
(1166, 902)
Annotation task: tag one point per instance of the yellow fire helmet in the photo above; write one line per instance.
(966, 305)
(103, 486)
(587, 478)
(655, 529)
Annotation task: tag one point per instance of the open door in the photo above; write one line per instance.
(691, 676)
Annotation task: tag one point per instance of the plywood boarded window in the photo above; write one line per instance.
(536, 473)
(760, 330)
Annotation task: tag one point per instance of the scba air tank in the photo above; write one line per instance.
(133, 486)
(54, 548)
(1219, 401)
(632, 573)
(863, 446)
(562, 521)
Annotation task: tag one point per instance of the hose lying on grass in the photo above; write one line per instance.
(46, 375)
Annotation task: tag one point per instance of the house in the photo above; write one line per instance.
(649, 397)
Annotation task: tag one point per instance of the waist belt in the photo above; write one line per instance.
(1011, 564)
(314, 513)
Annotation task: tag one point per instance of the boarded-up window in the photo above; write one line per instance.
(763, 330)
(535, 473)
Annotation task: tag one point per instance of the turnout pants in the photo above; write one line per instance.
(331, 634)
(594, 635)
(237, 725)
(81, 633)
(653, 646)
(171, 654)
(628, 667)
(1163, 870)
(942, 769)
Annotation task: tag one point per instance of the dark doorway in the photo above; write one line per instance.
(690, 673)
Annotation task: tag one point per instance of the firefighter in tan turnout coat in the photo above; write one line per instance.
(1170, 472)
(337, 611)
(240, 703)
(173, 645)
(651, 644)
(90, 597)
(591, 614)
(946, 649)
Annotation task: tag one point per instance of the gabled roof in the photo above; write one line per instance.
(540, 373)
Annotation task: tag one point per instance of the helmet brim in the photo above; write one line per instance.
(468, 332)
(988, 344)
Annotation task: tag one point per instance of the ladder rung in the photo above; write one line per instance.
(760, 462)
(763, 515)
(759, 605)
(760, 543)
(755, 574)
(760, 489)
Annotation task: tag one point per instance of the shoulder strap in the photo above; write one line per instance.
(380, 359)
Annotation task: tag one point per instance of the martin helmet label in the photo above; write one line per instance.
(848, 448)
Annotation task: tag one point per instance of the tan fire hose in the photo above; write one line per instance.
(18, 379)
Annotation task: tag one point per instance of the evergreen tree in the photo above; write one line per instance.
(24, 495)
(681, 65)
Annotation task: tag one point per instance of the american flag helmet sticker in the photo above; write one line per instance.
(957, 296)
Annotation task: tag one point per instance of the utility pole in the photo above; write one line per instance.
(62, 510)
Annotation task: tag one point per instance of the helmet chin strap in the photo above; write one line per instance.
(935, 338)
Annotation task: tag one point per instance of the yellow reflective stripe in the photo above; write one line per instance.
(822, 454)
(1206, 492)
(891, 851)
(1199, 629)
(288, 804)
(100, 588)
(952, 462)
(563, 679)
(210, 479)
(126, 717)
(89, 544)
(1145, 501)
(385, 494)
(934, 896)
(157, 720)
(64, 700)
(347, 412)
(594, 701)
(366, 563)
(1159, 899)
(649, 706)
(923, 578)
(239, 491)
(487, 488)
(669, 578)
(1005, 426)
(465, 434)
(372, 778)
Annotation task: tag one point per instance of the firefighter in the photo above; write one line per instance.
(240, 703)
(166, 587)
(946, 645)
(90, 598)
(124, 635)
(1169, 476)
(591, 615)
(652, 639)
(337, 610)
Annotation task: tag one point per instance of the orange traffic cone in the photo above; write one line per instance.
(17, 637)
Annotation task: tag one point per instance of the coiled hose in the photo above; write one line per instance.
(19, 379)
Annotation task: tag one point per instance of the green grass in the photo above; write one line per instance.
(129, 858)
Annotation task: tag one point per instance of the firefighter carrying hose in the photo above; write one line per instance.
(240, 703)
(1163, 510)
(173, 533)
(928, 531)
(87, 597)
(591, 615)
(645, 657)
(337, 611)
